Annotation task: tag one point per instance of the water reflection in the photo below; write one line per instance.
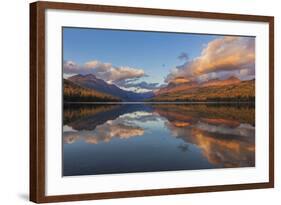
(101, 139)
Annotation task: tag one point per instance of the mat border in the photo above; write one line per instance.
(37, 100)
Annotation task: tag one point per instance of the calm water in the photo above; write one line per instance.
(118, 138)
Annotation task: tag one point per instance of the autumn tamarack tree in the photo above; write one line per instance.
(75, 93)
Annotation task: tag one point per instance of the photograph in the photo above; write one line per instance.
(141, 101)
(150, 101)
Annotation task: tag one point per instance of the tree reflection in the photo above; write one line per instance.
(225, 134)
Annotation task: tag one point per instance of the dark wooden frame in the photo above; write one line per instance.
(37, 100)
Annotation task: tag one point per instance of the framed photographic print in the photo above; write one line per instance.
(128, 102)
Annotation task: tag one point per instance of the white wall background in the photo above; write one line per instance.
(14, 113)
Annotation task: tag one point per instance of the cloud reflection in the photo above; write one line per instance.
(224, 135)
(222, 145)
(104, 133)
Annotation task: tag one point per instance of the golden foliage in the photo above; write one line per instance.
(74, 92)
(244, 91)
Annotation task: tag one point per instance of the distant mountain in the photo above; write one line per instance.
(90, 81)
(75, 93)
(176, 87)
(90, 88)
(216, 82)
(231, 89)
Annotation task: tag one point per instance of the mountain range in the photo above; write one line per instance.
(90, 88)
(90, 81)
(76, 93)
(230, 89)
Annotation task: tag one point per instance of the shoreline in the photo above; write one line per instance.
(182, 103)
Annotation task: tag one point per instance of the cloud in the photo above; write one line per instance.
(139, 87)
(70, 67)
(235, 151)
(179, 80)
(225, 54)
(143, 84)
(105, 71)
(124, 127)
(103, 133)
(183, 56)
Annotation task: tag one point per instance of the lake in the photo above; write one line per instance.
(126, 138)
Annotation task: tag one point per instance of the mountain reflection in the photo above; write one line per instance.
(217, 130)
(224, 134)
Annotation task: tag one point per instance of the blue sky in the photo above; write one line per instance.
(155, 53)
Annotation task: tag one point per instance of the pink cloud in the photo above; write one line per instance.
(226, 54)
(105, 71)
